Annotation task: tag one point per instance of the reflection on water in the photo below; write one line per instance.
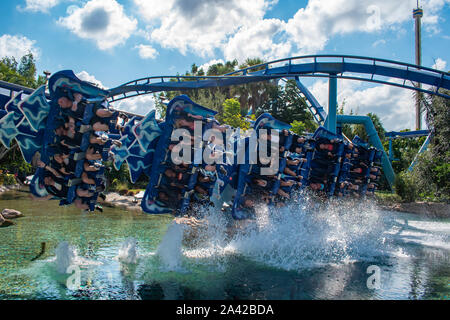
(286, 254)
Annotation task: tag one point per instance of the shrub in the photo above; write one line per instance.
(9, 179)
(405, 187)
(432, 176)
(298, 127)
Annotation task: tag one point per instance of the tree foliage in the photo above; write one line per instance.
(286, 105)
(298, 127)
(432, 174)
(404, 151)
(232, 114)
(430, 179)
(253, 98)
(23, 73)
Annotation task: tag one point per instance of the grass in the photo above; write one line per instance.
(384, 197)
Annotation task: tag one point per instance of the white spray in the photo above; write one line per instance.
(128, 252)
(169, 250)
(66, 256)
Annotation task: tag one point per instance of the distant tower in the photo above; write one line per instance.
(418, 14)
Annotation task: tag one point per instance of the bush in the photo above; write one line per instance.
(432, 176)
(298, 127)
(8, 179)
(405, 187)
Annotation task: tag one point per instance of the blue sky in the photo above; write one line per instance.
(114, 41)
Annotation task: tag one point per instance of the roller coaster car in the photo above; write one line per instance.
(179, 178)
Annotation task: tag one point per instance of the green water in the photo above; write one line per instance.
(290, 254)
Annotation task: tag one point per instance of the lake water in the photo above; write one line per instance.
(335, 251)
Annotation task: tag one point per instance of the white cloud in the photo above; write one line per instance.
(39, 5)
(206, 65)
(85, 76)
(139, 105)
(153, 10)
(103, 21)
(440, 64)
(312, 27)
(239, 30)
(17, 46)
(431, 16)
(147, 52)
(199, 26)
(257, 41)
(378, 43)
(395, 106)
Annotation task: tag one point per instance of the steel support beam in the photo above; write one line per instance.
(331, 123)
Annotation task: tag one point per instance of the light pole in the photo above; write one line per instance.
(418, 14)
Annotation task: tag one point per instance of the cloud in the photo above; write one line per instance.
(38, 5)
(103, 21)
(153, 10)
(199, 26)
(206, 65)
(239, 29)
(85, 76)
(378, 43)
(440, 64)
(139, 105)
(257, 41)
(147, 52)
(395, 106)
(17, 46)
(95, 21)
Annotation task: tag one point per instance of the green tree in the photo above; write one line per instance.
(250, 95)
(404, 151)
(298, 127)
(232, 114)
(430, 178)
(432, 172)
(286, 105)
(253, 95)
(23, 73)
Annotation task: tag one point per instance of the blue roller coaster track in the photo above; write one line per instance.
(373, 70)
(337, 66)
(380, 71)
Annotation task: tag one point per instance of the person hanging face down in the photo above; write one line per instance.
(170, 199)
(177, 179)
(76, 109)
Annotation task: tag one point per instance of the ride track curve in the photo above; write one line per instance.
(347, 67)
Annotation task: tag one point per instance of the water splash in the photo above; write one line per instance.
(302, 234)
(128, 252)
(169, 251)
(66, 256)
(295, 237)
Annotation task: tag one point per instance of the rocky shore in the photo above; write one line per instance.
(9, 187)
(429, 209)
(115, 200)
(6, 215)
